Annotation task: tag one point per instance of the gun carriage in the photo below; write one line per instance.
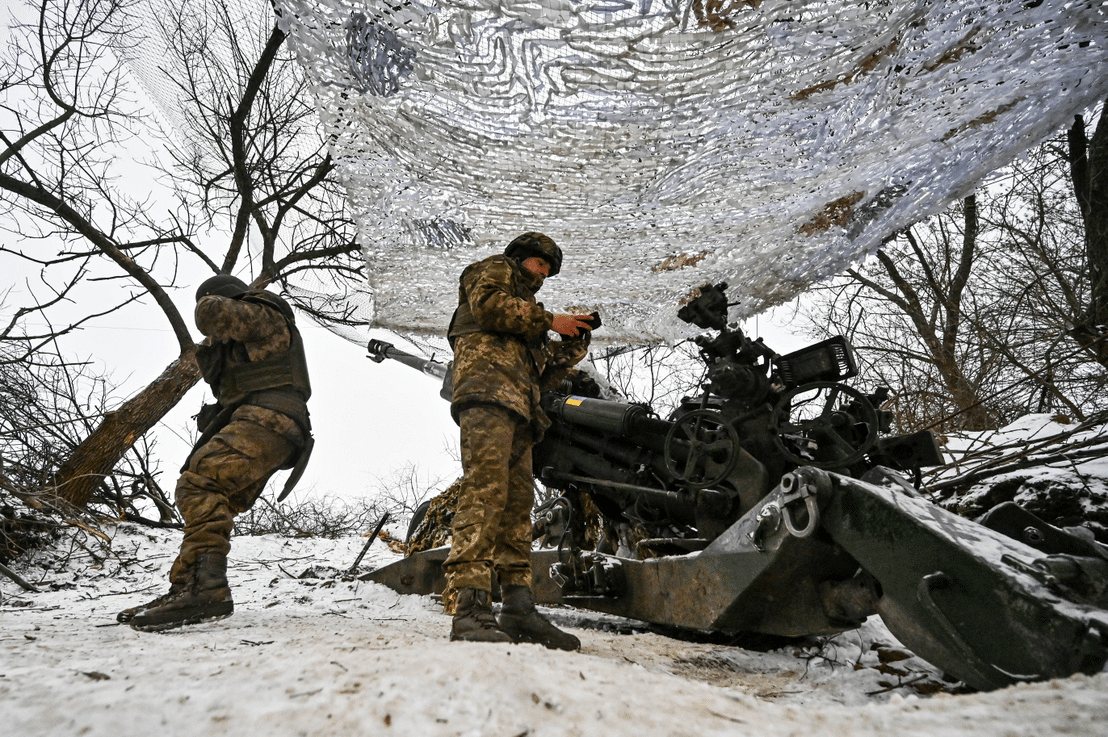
(777, 502)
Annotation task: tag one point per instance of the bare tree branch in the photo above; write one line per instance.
(250, 186)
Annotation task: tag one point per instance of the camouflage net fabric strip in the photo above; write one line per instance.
(434, 530)
(667, 144)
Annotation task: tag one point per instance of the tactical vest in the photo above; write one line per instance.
(279, 383)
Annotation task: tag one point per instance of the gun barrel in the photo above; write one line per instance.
(379, 350)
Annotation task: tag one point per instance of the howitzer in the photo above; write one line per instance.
(777, 502)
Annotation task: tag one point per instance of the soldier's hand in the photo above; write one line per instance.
(571, 325)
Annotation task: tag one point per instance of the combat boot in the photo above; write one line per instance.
(125, 616)
(205, 598)
(473, 619)
(522, 621)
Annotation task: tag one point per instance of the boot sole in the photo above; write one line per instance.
(567, 647)
(569, 643)
(468, 638)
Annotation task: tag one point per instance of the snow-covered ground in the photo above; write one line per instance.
(323, 654)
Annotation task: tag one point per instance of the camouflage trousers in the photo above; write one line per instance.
(492, 524)
(225, 476)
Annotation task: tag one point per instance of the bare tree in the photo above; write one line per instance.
(656, 375)
(48, 405)
(252, 184)
(933, 300)
(968, 315)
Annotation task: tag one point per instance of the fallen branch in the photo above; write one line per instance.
(1025, 462)
(15, 577)
(89, 530)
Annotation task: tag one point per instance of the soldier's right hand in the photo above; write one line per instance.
(571, 326)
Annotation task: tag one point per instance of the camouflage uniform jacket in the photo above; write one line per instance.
(501, 352)
(254, 331)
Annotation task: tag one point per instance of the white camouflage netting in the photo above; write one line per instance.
(669, 144)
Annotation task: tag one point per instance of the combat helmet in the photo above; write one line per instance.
(536, 244)
(221, 285)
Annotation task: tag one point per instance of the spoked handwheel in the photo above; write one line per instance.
(701, 449)
(815, 413)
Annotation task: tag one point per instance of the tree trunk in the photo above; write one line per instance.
(1096, 219)
(97, 455)
(1089, 176)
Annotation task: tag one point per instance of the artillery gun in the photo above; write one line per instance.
(777, 502)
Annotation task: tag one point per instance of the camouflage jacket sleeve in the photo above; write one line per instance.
(261, 329)
(491, 292)
(563, 355)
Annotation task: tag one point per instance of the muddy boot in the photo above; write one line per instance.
(520, 619)
(473, 619)
(205, 599)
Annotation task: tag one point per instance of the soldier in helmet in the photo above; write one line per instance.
(502, 362)
(253, 359)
